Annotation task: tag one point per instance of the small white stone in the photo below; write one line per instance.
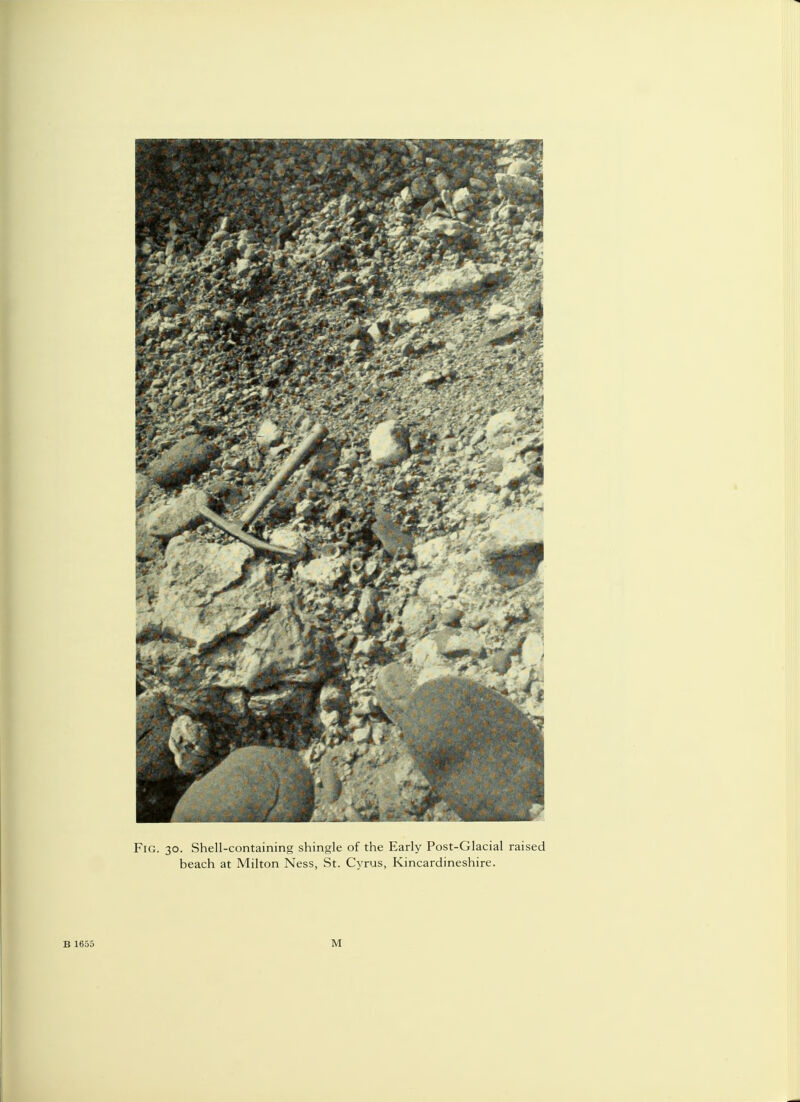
(499, 310)
(462, 200)
(287, 538)
(419, 317)
(332, 696)
(426, 653)
(268, 435)
(388, 444)
(501, 425)
(532, 650)
(324, 572)
(362, 734)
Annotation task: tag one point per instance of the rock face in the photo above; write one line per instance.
(479, 752)
(224, 641)
(188, 457)
(255, 784)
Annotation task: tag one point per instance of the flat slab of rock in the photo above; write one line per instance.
(392, 536)
(514, 533)
(503, 332)
(188, 457)
(481, 754)
(256, 784)
(177, 516)
(210, 590)
(461, 280)
(524, 188)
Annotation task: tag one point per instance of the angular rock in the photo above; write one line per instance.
(512, 473)
(188, 457)
(325, 572)
(453, 643)
(368, 605)
(532, 650)
(501, 426)
(255, 784)
(521, 167)
(503, 332)
(177, 516)
(419, 317)
(142, 487)
(392, 536)
(287, 538)
(416, 617)
(517, 187)
(480, 753)
(462, 200)
(499, 310)
(268, 435)
(460, 281)
(223, 632)
(436, 225)
(394, 685)
(513, 533)
(388, 444)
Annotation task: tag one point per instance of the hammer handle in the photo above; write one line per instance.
(285, 472)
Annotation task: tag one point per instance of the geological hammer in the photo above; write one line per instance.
(284, 473)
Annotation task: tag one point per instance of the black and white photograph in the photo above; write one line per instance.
(339, 480)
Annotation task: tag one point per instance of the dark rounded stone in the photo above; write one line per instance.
(188, 457)
(255, 784)
(478, 750)
(154, 762)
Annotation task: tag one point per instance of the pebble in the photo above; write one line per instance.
(501, 425)
(419, 317)
(368, 605)
(190, 743)
(329, 779)
(500, 660)
(532, 650)
(268, 435)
